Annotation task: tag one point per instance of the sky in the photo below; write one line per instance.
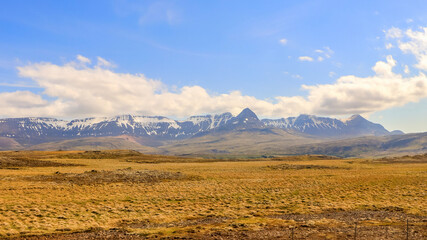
(72, 59)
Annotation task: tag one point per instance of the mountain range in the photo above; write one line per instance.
(165, 135)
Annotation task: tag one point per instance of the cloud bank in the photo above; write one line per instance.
(82, 88)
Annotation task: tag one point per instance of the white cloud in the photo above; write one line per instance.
(283, 41)
(417, 45)
(351, 94)
(326, 52)
(18, 84)
(393, 33)
(305, 59)
(98, 91)
(104, 63)
(83, 59)
(21, 99)
(22, 103)
(385, 68)
(389, 46)
(329, 51)
(332, 74)
(406, 70)
(76, 90)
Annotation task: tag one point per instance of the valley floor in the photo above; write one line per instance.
(127, 195)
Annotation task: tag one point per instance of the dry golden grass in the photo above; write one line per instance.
(237, 195)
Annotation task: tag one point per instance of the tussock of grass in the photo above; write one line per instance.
(182, 223)
(308, 157)
(108, 154)
(297, 167)
(227, 200)
(420, 158)
(130, 156)
(103, 177)
(18, 162)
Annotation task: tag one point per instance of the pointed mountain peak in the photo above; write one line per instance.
(358, 125)
(355, 117)
(247, 113)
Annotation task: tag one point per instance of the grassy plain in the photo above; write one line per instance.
(113, 193)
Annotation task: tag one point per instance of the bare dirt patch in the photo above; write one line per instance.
(117, 176)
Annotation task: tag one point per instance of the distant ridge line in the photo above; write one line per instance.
(31, 130)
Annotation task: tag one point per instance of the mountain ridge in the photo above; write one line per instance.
(32, 130)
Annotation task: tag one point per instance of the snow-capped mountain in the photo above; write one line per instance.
(34, 130)
(160, 127)
(355, 126)
(245, 120)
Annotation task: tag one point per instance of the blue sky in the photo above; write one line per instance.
(262, 49)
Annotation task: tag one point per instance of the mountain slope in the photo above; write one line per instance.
(366, 146)
(356, 125)
(9, 144)
(94, 143)
(329, 127)
(275, 141)
(254, 141)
